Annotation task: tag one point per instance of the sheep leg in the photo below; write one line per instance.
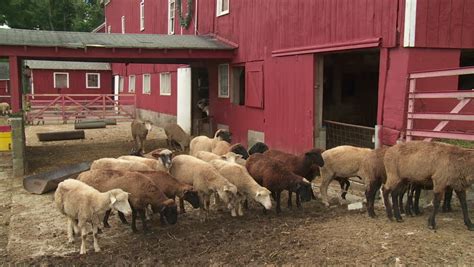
(386, 201)
(277, 199)
(141, 212)
(395, 200)
(401, 194)
(181, 206)
(122, 218)
(298, 200)
(134, 220)
(70, 231)
(290, 204)
(370, 193)
(447, 200)
(246, 204)
(94, 235)
(240, 211)
(409, 205)
(436, 202)
(323, 189)
(416, 204)
(105, 221)
(462, 199)
(83, 239)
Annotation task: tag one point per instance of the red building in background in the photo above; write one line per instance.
(303, 69)
(4, 82)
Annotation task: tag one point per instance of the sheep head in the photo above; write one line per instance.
(164, 156)
(119, 201)
(192, 197)
(147, 125)
(314, 157)
(263, 197)
(223, 135)
(168, 210)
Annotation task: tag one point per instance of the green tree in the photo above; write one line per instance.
(58, 15)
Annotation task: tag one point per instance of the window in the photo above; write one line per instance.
(120, 84)
(254, 84)
(222, 7)
(165, 83)
(123, 24)
(238, 85)
(171, 12)
(146, 84)
(131, 84)
(61, 80)
(223, 74)
(109, 29)
(92, 80)
(142, 15)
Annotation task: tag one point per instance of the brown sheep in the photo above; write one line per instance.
(221, 148)
(143, 192)
(174, 188)
(176, 134)
(303, 165)
(276, 177)
(140, 130)
(417, 162)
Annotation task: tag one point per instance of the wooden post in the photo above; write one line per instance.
(15, 83)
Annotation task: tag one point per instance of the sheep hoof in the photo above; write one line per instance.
(97, 249)
(70, 241)
(399, 220)
(99, 231)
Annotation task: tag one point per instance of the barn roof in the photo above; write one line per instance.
(66, 65)
(19, 37)
(4, 71)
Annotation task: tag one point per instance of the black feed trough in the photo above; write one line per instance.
(48, 181)
(57, 136)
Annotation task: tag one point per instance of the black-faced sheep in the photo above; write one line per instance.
(239, 149)
(143, 192)
(258, 147)
(160, 162)
(247, 187)
(203, 105)
(205, 179)
(303, 165)
(174, 188)
(418, 161)
(82, 203)
(176, 134)
(275, 176)
(348, 161)
(140, 130)
(204, 143)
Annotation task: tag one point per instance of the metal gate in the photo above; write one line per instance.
(73, 107)
(338, 133)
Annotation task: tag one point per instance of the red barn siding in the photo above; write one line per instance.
(44, 82)
(445, 24)
(4, 91)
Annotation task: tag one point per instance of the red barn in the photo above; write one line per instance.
(65, 77)
(305, 73)
(4, 83)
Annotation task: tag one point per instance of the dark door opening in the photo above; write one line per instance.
(201, 122)
(350, 97)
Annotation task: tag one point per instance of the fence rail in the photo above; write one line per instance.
(338, 133)
(444, 118)
(67, 107)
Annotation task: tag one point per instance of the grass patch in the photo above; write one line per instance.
(461, 143)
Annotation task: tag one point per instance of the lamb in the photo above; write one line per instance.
(274, 175)
(161, 163)
(417, 162)
(246, 186)
(239, 149)
(349, 161)
(173, 188)
(143, 192)
(204, 179)
(4, 108)
(140, 130)
(303, 165)
(258, 147)
(119, 165)
(82, 203)
(176, 134)
(204, 143)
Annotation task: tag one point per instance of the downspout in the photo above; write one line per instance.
(196, 18)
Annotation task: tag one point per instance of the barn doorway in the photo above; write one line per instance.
(349, 96)
(201, 122)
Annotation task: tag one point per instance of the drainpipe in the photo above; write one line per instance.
(196, 18)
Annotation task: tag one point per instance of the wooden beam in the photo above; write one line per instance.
(15, 83)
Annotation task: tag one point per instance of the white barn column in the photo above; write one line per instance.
(184, 99)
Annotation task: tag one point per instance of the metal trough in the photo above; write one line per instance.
(48, 181)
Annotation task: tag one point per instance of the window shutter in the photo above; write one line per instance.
(254, 84)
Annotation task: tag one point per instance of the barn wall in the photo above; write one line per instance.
(4, 91)
(445, 24)
(44, 82)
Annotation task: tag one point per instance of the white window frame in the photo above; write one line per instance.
(144, 85)
(130, 83)
(109, 29)
(165, 83)
(123, 24)
(121, 83)
(219, 81)
(171, 16)
(67, 79)
(142, 15)
(87, 80)
(219, 11)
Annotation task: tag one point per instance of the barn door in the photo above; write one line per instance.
(184, 97)
(319, 131)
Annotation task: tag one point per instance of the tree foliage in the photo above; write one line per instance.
(57, 15)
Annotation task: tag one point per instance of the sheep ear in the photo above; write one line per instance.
(226, 189)
(258, 194)
(306, 181)
(224, 157)
(112, 199)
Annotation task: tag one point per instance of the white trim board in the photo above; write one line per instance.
(410, 23)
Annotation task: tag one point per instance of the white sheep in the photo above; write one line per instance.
(205, 179)
(82, 204)
(161, 163)
(229, 156)
(119, 165)
(343, 162)
(247, 187)
(4, 108)
(204, 143)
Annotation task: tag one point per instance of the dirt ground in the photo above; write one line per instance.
(312, 235)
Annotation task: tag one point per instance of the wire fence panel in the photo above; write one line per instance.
(338, 133)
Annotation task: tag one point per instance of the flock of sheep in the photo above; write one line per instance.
(132, 184)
